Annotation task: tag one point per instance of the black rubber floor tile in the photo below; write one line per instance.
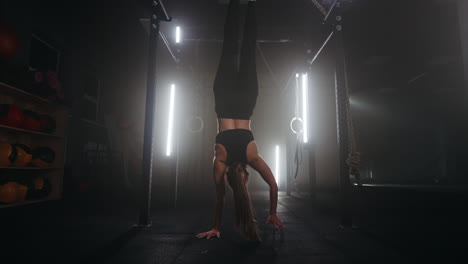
(249, 258)
(149, 249)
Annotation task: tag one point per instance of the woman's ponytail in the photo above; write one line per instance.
(237, 177)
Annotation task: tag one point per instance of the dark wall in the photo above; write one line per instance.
(408, 90)
(463, 21)
(101, 40)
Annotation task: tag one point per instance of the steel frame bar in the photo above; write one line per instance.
(320, 7)
(159, 14)
(330, 11)
(310, 62)
(342, 121)
(258, 41)
(166, 42)
(341, 109)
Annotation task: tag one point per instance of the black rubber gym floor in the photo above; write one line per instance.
(96, 232)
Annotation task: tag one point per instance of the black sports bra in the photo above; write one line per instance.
(235, 141)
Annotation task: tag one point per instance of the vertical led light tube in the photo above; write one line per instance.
(305, 107)
(277, 167)
(171, 121)
(296, 110)
(178, 35)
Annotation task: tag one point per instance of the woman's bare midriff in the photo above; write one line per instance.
(227, 124)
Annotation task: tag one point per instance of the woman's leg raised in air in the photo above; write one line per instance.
(227, 73)
(248, 82)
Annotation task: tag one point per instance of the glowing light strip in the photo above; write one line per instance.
(171, 122)
(296, 110)
(277, 175)
(305, 107)
(177, 35)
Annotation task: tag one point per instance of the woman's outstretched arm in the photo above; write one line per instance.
(219, 169)
(257, 163)
(220, 192)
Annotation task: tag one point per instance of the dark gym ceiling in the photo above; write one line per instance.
(389, 44)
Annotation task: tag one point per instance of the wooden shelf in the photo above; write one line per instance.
(56, 141)
(30, 168)
(30, 132)
(25, 202)
(13, 91)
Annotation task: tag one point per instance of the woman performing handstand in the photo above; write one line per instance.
(235, 91)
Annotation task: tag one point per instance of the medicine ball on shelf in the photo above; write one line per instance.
(9, 192)
(31, 121)
(11, 115)
(40, 188)
(9, 42)
(23, 155)
(7, 155)
(38, 183)
(43, 157)
(21, 192)
(48, 124)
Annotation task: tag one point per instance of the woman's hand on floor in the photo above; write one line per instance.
(210, 234)
(275, 221)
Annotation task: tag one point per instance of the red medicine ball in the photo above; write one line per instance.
(11, 115)
(31, 121)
